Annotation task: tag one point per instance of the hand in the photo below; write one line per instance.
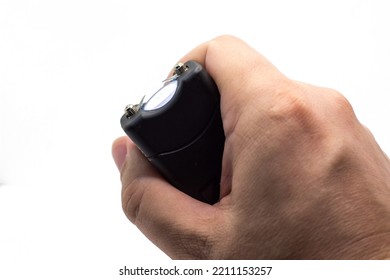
(301, 177)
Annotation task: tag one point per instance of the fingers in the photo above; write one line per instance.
(172, 220)
(230, 61)
(119, 151)
(241, 73)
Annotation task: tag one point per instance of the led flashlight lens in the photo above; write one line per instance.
(161, 97)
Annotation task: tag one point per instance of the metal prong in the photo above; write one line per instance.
(132, 109)
(170, 79)
(179, 68)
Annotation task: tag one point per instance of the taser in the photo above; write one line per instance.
(179, 130)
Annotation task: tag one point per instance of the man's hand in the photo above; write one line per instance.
(301, 177)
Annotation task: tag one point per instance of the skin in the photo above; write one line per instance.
(301, 177)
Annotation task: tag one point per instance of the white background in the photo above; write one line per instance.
(68, 68)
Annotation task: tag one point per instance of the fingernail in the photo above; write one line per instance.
(119, 151)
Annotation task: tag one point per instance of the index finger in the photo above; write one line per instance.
(235, 66)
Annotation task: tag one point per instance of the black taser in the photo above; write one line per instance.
(179, 129)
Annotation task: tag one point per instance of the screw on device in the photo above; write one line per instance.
(132, 109)
(179, 68)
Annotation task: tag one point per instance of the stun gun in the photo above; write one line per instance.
(179, 130)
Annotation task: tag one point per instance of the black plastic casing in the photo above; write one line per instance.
(184, 139)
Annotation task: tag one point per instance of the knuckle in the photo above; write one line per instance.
(290, 106)
(296, 108)
(341, 104)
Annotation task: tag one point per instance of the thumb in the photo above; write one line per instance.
(178, 224)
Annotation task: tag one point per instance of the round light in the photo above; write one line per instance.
(161, 97)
